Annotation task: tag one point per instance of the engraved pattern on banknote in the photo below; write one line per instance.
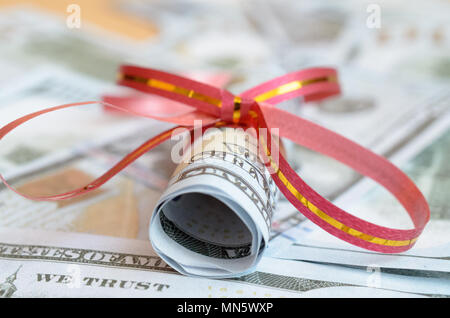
(202, 247)
(431, 173)
(254, 169)
(265, 209)
(8, 288)
(417, 273)
(240, 151)
(292, 283)
(83, 256)
(23, 154)
(431, 168)
(144, 262)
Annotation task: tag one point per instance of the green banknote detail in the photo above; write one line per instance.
(202, 247)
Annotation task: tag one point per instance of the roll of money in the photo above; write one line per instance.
(214, 217)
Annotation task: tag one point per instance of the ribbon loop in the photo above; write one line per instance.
(234, 108)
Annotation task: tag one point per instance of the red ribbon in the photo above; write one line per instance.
(254, 108)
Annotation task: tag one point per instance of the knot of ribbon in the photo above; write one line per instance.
(256, 108)
(234, 108)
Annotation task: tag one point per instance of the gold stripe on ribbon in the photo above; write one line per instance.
(237, 109)
(253, 114)
(154, 83)
(292, 86)
(330, 220)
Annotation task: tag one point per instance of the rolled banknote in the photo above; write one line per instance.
(214, 217)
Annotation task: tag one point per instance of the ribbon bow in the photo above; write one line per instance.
(254, 108)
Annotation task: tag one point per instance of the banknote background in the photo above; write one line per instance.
(396, 91)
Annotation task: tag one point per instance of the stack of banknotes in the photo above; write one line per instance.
(212, 224)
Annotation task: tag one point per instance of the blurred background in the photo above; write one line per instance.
(392, 57)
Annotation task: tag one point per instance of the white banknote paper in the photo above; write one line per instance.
(37, 263)
(214, 218)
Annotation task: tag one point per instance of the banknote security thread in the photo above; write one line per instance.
(217, 209)
(255, 108)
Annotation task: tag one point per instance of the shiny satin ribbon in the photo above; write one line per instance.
(254, 108)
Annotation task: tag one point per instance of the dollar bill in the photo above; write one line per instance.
(369, 276)
(55, 264)
(214, 218)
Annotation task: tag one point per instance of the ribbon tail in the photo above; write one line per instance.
(149, 144)
(158, 108)
(321, 211)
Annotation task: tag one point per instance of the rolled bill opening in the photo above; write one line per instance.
(205, 225)
(214, 218)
